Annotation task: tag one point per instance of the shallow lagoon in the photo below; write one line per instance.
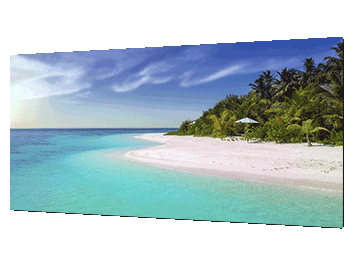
(70, 171)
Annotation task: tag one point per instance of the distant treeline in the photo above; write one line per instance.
(290, 106)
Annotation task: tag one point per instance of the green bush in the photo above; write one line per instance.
(336, 139)
(279, 133)
(321, 135)
(185, 126)
(259, 132)
(178, 133)
(295, 135)
(237, 129)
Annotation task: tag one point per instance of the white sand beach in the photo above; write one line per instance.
(290, 164)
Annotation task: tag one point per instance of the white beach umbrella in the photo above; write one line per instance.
(247, 120)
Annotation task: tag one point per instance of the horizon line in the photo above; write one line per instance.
(101, 128)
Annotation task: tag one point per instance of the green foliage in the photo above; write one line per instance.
(319, 129)
(290, 105)
(222, 125)
(258, 132)
(279, 133)
(178, 133)
(295, 133)
(336, 120)
(336, 139)
(184, 127)
(307, 126)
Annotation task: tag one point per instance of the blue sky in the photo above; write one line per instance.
(145, 87)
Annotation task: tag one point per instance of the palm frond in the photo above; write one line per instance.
(318, 129)
(307, 125)
(294, 127)
(279, 121)
(274, 110)
(216, 121)
(295, 119)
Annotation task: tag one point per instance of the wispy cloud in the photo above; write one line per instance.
(30, 79)
(162, 72)
(161, 80)
(239, 68)
(185, 78)
(128, 86)
(155, 68)
(220, 74)
(169, 70)
(69, 73)
(105, 68)
(111, 63)
(145, 76)
(107, 74)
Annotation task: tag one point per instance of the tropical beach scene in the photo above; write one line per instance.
(249, 132)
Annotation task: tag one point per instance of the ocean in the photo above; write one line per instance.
(70, 171)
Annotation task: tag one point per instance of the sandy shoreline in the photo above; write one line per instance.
(289, 164)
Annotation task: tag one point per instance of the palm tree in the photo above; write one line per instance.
(331, 93)
(285, 86)
(333, 108)
(291, 110)
(308, 76)
(262, 86)
(254, 107)
(339, 51)
(258, 86)
(222, 124)
(308, 126)
(334, 71)
(269, 79)
(299, 113)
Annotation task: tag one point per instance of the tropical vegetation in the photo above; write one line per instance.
(290, 106)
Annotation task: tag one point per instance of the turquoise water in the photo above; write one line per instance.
(71, 171)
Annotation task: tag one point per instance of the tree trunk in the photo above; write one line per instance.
(308, 141)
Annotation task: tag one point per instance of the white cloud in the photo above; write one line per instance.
(103, 75)
(159, 72)
(155, 68)
(185, 78)
(145, 76)
(161, 80)
(215, 76)
(220, 74)
(30, 79)
(131, 85)
(22, 69)
(242, 67)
